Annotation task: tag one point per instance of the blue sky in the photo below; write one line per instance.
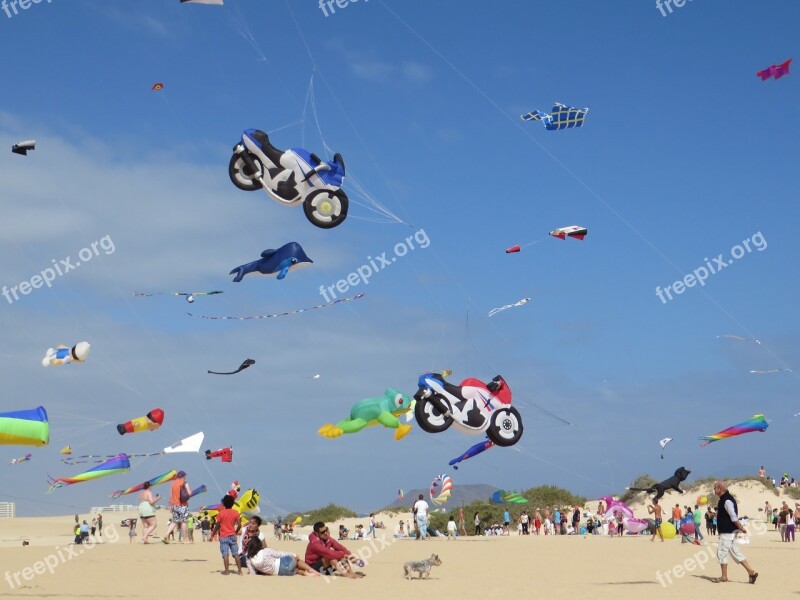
(685, 153)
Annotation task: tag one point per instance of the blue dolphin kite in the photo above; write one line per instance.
(280, 262)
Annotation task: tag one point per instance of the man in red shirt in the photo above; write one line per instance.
(228, 525)
(324, 553)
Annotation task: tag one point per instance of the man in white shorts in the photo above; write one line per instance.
(728, 525)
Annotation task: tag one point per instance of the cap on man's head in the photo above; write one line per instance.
(181, 473)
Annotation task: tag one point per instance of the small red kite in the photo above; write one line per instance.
(157, 87)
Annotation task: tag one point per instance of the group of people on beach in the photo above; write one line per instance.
(83, 530)
(248, 548)
(181, 520)
(784, 520)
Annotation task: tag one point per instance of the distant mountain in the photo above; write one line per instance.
(462, 494)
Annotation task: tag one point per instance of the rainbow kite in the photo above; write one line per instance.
(24, 428)
(757, 423)
(154, 481)
(118, 464)
(441, 489)
(198, 490)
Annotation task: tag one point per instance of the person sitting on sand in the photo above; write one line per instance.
(251, 530)
(266, 561)
(325, 553)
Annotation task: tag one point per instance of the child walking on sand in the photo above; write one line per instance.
(451, 529)
(132, 531)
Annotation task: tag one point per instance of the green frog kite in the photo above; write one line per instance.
(383, 410)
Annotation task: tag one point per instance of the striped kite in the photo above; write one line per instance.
(118, 464)
(757, 423)
(166, 477)
(441, 489)
(24, 428)
(504, 497)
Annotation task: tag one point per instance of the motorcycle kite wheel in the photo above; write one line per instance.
(428, 416)
(242, 176)
(505, 426)
(326, 208)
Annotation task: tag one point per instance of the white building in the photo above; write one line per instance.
(113, 508)
(8, 510)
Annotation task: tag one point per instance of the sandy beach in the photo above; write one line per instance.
(473, 567)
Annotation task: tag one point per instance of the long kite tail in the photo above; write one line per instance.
(53, 484)
(283, 314)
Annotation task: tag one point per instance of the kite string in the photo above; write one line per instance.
(520, 126)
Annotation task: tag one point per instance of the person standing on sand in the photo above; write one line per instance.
(676, 516)
(462, 525)
(655, 510)
(762, 472)
(421, 512)
(179, 502)
(729, 524)
(100, 525)
(147, 511)
(697, 517)
(576, 519)
(477, 521)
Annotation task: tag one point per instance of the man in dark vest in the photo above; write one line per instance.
(729, 525)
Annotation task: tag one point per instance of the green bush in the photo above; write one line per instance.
(490, 513)
(642, 482)
(326, 514)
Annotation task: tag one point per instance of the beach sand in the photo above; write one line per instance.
(473, 567)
